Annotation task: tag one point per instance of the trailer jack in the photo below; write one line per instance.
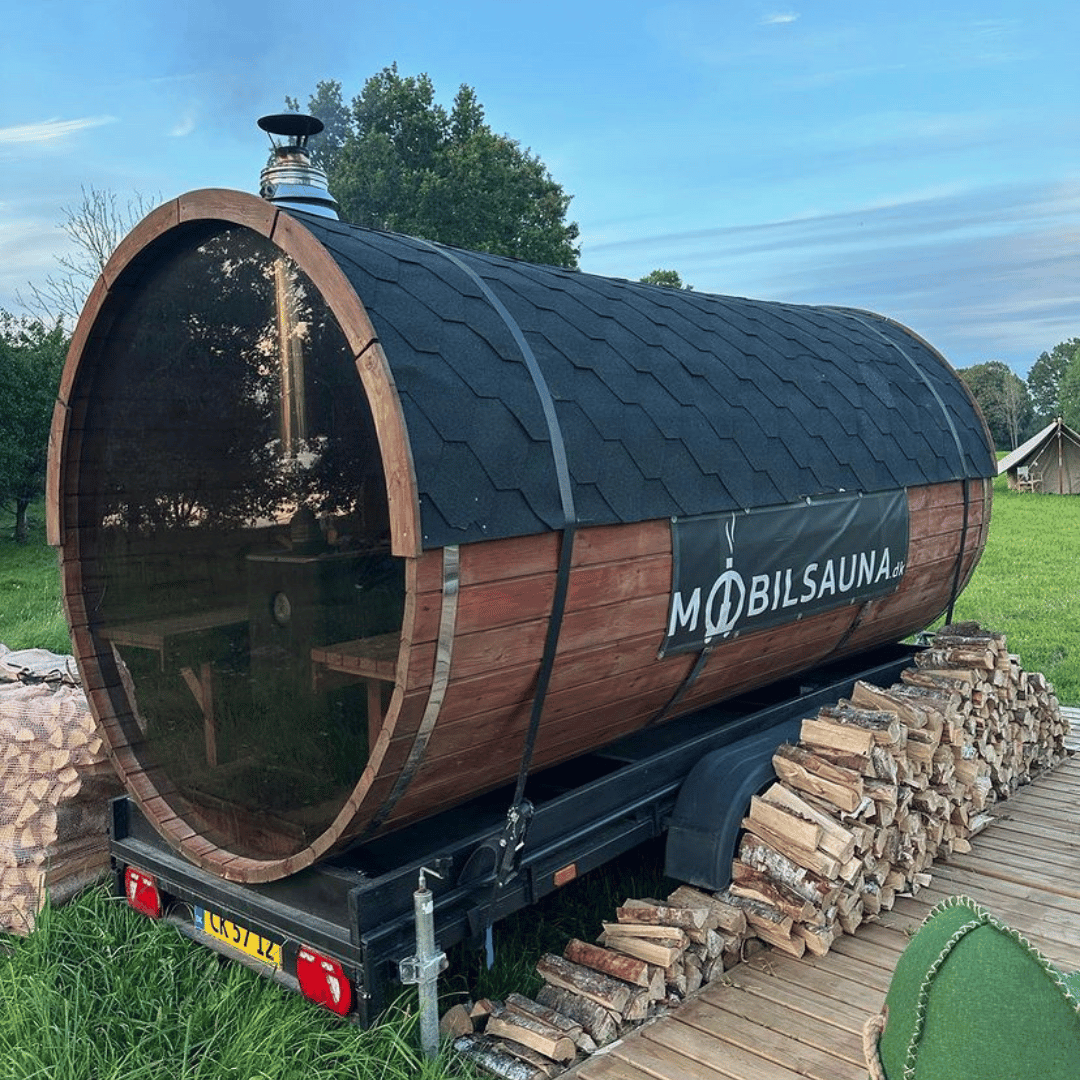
(423, 968)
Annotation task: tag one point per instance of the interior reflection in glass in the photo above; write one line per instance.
(234, 509)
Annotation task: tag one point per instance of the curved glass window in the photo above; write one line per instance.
(234, 527)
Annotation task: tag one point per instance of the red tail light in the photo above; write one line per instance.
(323, 981)
(142, 892)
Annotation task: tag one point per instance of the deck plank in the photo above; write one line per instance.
(778, 1018)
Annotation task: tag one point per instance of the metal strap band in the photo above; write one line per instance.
(444, 651)
(683, 688)
(566, 497)
(543, 391)
(565, 491)
(954, 591)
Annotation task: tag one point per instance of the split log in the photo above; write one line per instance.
(496, 1060)
(825, 735)
(689, 919)
(867, 696)
(613, 994)
(833, 839)
(601, 1024)
(751, 884)
(819, 890)
(533, 1033)
(803, 770)
(884, 726)
(818, 862)
(524, 1006)
(660, 950)
(729, 918)
(795, 829)
(618, 965)
(456, 1021)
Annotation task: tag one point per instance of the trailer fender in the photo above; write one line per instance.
(712, 802)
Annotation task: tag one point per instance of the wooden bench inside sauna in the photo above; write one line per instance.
(375, 497)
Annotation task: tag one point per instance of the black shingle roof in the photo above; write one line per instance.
(669, 402)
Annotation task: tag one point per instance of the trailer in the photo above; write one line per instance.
(340, 931)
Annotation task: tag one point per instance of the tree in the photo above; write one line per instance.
(1004, 400)
(407, 165)
(327, 104)
(669, 279)
(95, 225)
(1045, 378)
(31, 359)
(1070, 395)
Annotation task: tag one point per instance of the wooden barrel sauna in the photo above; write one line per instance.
(337, 509)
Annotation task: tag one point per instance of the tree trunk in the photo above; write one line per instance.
(22, 527)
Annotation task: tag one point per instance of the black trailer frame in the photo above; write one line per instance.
(358, 908)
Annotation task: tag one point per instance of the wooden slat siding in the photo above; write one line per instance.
(1025, 869)
(495, 691)
(502, 728)
(619, 693)
(574, 730)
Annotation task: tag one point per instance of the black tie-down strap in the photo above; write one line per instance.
(512, 842)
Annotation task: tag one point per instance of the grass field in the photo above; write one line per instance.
(100, 992)
(30, 613)
(1028, 584)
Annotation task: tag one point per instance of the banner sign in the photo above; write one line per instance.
(748, 570)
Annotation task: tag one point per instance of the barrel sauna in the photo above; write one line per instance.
(334, 507)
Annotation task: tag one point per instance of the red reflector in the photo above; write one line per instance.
(323, 981)
(567, 873)
(142, 892)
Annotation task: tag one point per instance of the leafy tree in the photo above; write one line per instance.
(94, 226)
(1070, 395)
(327, 104)
(1004, 400)
(403, 162)
(31, 359)
(668, 278)
(1044, 380)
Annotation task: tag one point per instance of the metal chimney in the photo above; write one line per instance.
(291, 179)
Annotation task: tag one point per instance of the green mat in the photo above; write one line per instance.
(972, 999)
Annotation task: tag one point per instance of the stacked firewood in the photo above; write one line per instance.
(881, 785)
(653, 956)
(878, 787)
(55, 785)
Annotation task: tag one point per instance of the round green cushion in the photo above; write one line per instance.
(971, 999)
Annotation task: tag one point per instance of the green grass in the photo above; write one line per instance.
(1027, 585)
(31, 616)
(98, 992)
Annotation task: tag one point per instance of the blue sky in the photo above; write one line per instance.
(918, 159)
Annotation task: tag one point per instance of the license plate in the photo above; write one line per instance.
(238, 937)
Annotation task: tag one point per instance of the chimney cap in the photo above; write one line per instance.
(296, 126)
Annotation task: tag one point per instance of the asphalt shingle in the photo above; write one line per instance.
(669, 402)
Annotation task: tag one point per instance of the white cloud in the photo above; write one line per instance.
(779, 18)
(184, 126)
(49, 131)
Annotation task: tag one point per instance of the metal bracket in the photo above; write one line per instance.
(512, 841)
(414, 969)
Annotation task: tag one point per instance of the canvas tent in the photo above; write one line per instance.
(1048, 462)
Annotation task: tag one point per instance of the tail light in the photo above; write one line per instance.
(323, 981)
(142, 893)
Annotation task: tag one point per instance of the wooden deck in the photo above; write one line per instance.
(777, 1018)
